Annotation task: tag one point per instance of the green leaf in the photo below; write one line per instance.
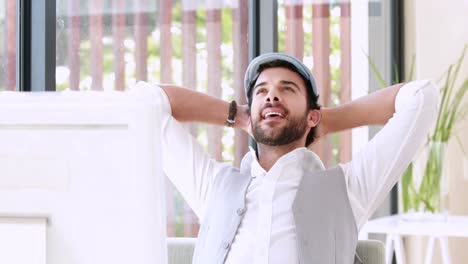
(377, 73)
(441, 114)
(395, 72)
(406, 180)
(415, 197)
(458, 66)
(411, 73)
(460, 145)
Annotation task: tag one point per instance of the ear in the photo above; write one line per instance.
(313, 118)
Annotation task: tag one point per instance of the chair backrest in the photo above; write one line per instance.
(180, 250)
(370, 251)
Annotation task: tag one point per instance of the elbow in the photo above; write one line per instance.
(422, 94)
(431, 99)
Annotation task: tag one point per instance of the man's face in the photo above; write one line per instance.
(279, 109)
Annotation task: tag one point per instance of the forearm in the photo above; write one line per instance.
(192, 106)
(373, 109)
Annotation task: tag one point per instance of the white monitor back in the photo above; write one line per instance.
(89, 162)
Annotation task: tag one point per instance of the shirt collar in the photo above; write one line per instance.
(305, 158)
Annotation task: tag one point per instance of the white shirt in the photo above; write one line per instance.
(267, 231)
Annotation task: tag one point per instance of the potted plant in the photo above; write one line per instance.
(423, 197)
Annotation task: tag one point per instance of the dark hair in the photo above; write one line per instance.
(311, 99)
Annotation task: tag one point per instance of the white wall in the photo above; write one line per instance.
(436, 32)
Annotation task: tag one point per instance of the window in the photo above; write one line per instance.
(205, 45)
(110, 45)
(319, 33)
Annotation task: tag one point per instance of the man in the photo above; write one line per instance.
(282, 205)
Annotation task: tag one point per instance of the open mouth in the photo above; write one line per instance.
(273, 114)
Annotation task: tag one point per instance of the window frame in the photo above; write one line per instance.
(36, 45)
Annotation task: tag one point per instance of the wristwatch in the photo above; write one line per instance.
(231, 119)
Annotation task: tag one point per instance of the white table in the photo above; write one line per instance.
(395, 228)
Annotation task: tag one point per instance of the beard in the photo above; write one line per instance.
(293, 131)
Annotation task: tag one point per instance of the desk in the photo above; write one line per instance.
(395, 228)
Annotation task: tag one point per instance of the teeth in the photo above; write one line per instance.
(273, 114)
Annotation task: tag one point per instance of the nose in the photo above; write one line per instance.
(272, 96)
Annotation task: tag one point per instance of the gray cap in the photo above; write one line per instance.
(252, 72)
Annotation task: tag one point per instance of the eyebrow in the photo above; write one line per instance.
(283, 82)
(258, 85)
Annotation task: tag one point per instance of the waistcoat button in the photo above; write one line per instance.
(240, 211)
(226, 245)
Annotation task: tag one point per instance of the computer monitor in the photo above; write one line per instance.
(90, 163)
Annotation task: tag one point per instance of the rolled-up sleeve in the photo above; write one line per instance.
(184, 161)
(372, 173)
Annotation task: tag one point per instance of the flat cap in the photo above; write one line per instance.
(255, 68)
